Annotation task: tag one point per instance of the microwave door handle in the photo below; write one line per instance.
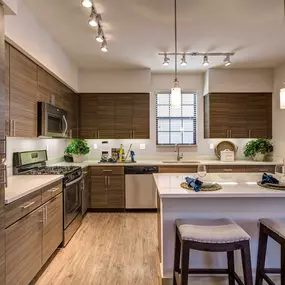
(66, 126)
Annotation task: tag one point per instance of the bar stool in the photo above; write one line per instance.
(276, 230)
(220, 235)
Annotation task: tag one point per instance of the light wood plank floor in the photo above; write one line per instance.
(108, 249)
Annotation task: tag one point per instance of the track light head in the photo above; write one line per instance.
(86, 3)
(227, 61)
(183, 60)
(100, 36)
(94, 19)
(104, 46)
(166, 60)
(205, 61)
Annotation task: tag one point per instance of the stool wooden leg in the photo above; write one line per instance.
(185, 263)
(246, 264)
(282, 264)
(262, 246)
(231, 267)
(177, 253)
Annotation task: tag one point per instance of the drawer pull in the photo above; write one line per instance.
(52, 190)
(28, 205)
(107, 170)
(227, 170)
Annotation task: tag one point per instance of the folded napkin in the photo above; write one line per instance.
(269, 179)
(195, 183)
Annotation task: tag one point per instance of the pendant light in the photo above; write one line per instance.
(282, 97)
(175, 90)
(86, 3)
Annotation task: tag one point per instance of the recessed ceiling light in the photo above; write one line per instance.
(86, 3)
(227, 61)
(205, 61)
(104, 46)
(183, 60)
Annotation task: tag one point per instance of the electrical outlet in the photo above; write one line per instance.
(212, 146)
(142, 146)
(46, 147)
(95, 146)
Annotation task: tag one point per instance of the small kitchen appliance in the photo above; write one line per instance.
(227, 155)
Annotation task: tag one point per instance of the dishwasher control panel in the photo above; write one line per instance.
(141, 169)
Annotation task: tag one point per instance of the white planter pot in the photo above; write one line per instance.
(259, 157)
(78, 158)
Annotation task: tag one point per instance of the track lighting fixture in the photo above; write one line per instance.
(166, 60)
(183, 60)
(227, 60)
(94, 19)
(104, 46)
(205, 61)
(100, 36)
(86, 3)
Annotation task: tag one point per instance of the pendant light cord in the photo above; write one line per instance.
(175, 37)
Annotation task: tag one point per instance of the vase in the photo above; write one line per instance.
(78, 158)
(258, 156)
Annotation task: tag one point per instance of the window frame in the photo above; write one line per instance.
(191, 117)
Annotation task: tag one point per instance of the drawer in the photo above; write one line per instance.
(260, 168)
(178, 169)
(107, 170)
(51, 191)
(20, 208)
(225, 168)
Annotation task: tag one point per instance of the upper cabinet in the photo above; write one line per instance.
(238, 115)
(114, 116)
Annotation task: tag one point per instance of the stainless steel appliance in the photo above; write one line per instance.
(52, 121)
(34, 163)
(84, 187)
(140, 187)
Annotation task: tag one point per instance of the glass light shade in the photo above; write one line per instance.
(99, 39)
(86, 3)
(282, 98)
(175, 96)
(93, 21)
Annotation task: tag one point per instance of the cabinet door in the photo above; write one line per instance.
(23, 95)
(7, 89)
(88, 118)
(23, 249)
(116, 191)
(259, 115)
(99, 192)
(237, 120)
(52, 226)
(124, 116)
(2, 257)
(141, 116)
(219, 115)
(106, 116)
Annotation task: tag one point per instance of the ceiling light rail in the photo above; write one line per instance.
(95, 20)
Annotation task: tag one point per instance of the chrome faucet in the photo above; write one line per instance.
(179, 156)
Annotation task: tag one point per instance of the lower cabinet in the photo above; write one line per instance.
(24, 249)
(32, 240)
(108, 190)
(2, 257)
(52, 226)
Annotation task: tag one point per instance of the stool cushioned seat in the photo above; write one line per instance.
(276, 225)
(211, 231)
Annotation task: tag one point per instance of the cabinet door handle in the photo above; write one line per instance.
(109, 180)
(4, 153)
(70, 133)
(249, 133)
(14, 128)
(98, 134)
(46, 213)
(131, 134)
(10, 128)
(52, 190)
(230, 133)
(227, 133)
(28, 205)
(5, 179)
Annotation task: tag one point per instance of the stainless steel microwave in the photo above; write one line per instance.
(52, 121)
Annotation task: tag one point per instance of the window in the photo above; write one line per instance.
(176, 125)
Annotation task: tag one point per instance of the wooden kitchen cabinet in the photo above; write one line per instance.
(23, 249)
(7, 90)
(2, 257)
(23, 95)
(107, 188)
(52, 226)
(114, 116)
(238, 115)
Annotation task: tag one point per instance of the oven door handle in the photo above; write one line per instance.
(66, 126)
(74, 181)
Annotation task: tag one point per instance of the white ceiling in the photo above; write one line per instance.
(138, 29)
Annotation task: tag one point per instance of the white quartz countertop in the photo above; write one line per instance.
(22, 185)
(160, 163)
(233, 185)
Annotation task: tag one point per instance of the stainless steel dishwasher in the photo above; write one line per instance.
(140, 187)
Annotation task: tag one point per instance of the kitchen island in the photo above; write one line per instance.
(240, 199)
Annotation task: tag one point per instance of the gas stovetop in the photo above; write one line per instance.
(48, 170)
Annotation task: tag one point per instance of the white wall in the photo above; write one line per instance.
(115, 81)
(278, 119)
(28, 35)
(238, 80)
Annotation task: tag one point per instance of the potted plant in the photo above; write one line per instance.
(67, 154)
(78, 148)
(258, 148)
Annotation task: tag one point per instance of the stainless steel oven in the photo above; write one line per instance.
(72, 201)
(52, 121)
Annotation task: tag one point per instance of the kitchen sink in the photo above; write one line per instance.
(181, 161)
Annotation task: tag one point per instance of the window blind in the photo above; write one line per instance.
(176, 125)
